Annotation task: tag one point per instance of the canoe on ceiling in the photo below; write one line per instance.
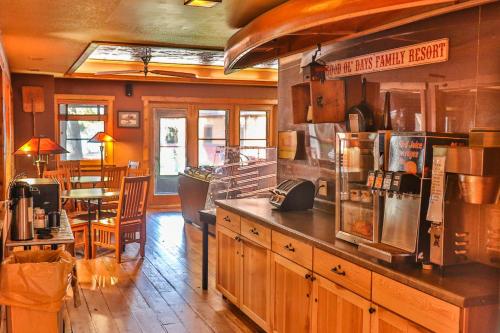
(298, 25)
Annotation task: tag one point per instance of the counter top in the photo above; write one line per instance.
(464, 286)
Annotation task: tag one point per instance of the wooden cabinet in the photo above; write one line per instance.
(256, 232)
(337, 310)
(228, 264)
(326, 100)
(292, 249)
(385, 321)
(255, 292)
(244, 275)
(291, 287)
(228, 219)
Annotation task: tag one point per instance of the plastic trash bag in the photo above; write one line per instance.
(36, 279)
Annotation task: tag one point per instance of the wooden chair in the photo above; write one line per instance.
(138, 172)
(72, 166)
(114, 176)
(79, 227)
(115, 233)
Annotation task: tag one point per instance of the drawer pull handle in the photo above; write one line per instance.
(254, 231)
(338, 270)
(309, 276)
(227, 219)
(290, 247)
(237, 238)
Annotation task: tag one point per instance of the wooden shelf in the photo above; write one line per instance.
(327, 100)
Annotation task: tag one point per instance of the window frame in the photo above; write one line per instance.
(108, 118)
(228, 112)
(270, 121)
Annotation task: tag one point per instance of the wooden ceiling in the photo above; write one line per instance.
(299, 25)
(43, 36)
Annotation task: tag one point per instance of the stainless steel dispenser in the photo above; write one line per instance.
(405, 188)
(465, 187)
(21, 206)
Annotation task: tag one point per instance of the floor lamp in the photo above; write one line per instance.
(40, 147)
(102, 138)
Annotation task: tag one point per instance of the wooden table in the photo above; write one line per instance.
(94, 180)
(62, 235)
(207, 217)
(90, 194)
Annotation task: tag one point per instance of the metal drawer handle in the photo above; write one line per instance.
(290, 247)
(237, 238)
(254, 231)
(227, 219)
(338, 270)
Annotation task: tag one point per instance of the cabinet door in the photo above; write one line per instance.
(385, 321)
(338, 310)
(256, 283)
(228, 264)
(291, 289)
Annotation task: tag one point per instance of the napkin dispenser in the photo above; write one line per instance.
(293, 194)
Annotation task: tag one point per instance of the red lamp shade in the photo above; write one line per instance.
(101, 137)
(40, 146)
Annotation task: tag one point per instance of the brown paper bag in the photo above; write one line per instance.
(36, 279)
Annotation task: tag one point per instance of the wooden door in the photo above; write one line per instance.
(291, 289)
(256, 283)
(228, 264)
(385, 321)
(338, 310)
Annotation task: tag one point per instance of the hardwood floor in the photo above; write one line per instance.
(159, 293)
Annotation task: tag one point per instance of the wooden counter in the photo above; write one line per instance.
(287, 272)
(463, 286)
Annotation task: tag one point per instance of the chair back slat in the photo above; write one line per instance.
(137, 172)
(62, 176)
(73, 167)
(133, 200)
(114, 176)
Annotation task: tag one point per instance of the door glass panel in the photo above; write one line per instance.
(171, 153)
(253, 131)
(212, 132)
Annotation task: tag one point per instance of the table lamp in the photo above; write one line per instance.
(40, 147)
(102, 138)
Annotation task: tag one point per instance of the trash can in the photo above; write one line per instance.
(33, 285)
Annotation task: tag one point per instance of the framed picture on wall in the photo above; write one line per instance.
(129, 119)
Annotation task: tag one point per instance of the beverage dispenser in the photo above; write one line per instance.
(405, 188)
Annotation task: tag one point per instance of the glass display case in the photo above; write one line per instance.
(356, 213)
(242, 172)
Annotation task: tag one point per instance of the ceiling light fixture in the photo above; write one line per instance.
(201, 3)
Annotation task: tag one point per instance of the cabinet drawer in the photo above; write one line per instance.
(342, 272)
(292, 249)
(419, 307)
(228, 219)
(256, 232)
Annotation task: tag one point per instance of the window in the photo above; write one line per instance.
(172, 144)
(212, 132)
(78, 123)
(253, 128)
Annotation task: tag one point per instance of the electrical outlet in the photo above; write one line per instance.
(323, 187)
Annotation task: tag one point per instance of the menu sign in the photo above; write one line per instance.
(408, 56)
(407, 154)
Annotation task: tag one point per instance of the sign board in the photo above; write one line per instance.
(407, 56)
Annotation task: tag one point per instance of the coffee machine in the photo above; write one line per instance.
(463, 204)
(21, 206)
(405, 187)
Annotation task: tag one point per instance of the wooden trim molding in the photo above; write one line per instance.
(299, 25)
(108, 100)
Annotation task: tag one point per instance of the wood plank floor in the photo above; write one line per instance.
(159, 293)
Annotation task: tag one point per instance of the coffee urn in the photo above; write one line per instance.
(21, 205)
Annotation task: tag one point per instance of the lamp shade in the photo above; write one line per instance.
(40, 146)
(101, 137)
